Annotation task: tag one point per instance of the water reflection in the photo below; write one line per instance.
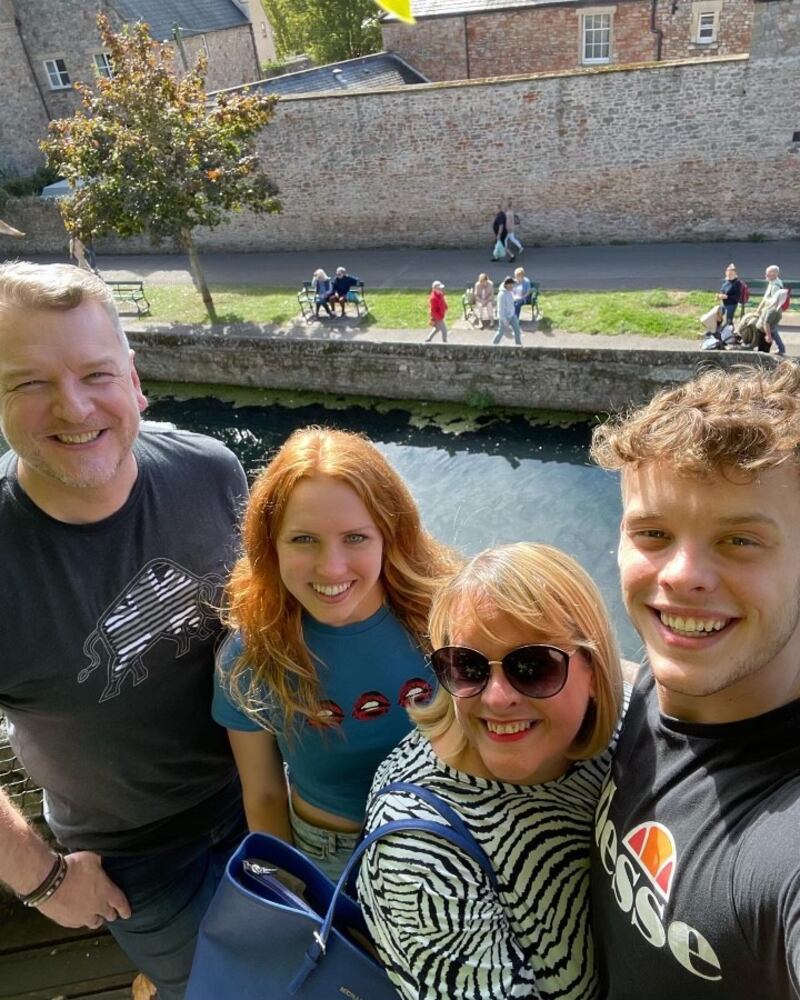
(503, 481)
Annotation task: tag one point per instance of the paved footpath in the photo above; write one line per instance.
(683, 266)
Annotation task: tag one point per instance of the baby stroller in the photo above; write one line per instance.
(718, 336)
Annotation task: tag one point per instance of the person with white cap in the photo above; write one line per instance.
(437, 304)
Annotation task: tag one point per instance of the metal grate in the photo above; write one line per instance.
(18, 786)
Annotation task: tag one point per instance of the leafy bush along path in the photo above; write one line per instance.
(657, 313)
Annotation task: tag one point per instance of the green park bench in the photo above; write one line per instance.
(308, 306)
(130, 291)
(532, 300)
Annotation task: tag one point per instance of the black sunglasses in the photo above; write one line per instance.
(535, 671)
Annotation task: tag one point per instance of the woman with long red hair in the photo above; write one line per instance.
(328, 607)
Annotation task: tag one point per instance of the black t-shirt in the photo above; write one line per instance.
(696, 857)
(109, 632)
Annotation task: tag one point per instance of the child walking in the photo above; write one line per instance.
(437, 304)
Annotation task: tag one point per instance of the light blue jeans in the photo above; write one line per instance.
(502, 329)
(329, 850)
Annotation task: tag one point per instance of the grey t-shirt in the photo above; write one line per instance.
(108, 643)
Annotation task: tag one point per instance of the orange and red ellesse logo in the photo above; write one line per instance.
(654, 847)
(642, 866)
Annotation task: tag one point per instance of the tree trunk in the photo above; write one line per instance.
(198, 277)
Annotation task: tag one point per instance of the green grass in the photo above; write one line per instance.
(655, 313)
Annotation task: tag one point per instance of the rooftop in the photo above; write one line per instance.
(365, 73)
(447, 8)
(192, 16)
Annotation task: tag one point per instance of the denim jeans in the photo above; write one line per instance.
(502, 329)
(169, 893)
(329, 850)
(730, 312)
(777, 340)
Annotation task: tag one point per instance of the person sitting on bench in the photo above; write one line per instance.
(322, 287)
(343, 285)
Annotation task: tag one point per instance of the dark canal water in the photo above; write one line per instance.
(497, 480)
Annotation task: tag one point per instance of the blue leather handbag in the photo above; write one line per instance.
(261, 941)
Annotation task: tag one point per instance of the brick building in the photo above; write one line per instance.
(473, 39)
(48, 45)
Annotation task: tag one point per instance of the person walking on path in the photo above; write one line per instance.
(769, 311)
(437, 304)
(512, 221)
(506, 313)
(500, 234)
(730, 293)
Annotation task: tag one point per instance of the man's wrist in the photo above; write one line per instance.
(48, 886)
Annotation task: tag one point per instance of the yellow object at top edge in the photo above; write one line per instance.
(400, 8)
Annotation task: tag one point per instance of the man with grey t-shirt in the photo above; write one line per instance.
(115, 545)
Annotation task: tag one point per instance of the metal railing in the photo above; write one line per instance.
(18, 786)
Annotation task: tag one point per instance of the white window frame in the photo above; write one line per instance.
(702, 11)
(102, 65)
(596, 12)
(57, 76)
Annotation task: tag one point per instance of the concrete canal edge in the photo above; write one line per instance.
(547, 378)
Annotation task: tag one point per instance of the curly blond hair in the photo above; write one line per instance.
(740, 420)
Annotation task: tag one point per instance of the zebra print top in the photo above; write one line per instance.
(441, 930)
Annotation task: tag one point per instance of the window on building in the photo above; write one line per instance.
(707, 27)
(102, 65)
(596, 47)
(57, 74)
(705, 21)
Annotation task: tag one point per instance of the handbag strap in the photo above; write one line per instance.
(456, 832)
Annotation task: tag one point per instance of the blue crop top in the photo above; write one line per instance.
(372, 671)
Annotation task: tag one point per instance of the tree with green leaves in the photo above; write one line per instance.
(147, 153)
(327, 30)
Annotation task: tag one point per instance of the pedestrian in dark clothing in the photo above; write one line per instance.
(499, 228)
(343, 284)
(730, 293)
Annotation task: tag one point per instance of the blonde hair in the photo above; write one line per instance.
(743, 420)
(545, 591)
(270, 618)
(24, 285)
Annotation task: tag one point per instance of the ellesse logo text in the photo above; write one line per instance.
(642, 866)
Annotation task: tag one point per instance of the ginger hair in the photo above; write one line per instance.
(269, 618)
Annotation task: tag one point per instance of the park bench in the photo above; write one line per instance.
(531, 299)
(308, 306)
(130, 291)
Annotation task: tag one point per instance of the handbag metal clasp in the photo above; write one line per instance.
(320, 942)
(254, 868)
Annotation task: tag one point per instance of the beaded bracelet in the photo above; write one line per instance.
(43, 892)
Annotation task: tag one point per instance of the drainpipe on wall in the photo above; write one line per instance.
(466, 47)
(656, 31)
(176, 34)
(18, 26)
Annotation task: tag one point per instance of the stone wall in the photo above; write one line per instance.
(641, 153)
(547, 39)
(19, 150)
(232, 58)
(67, 29)
(586, 381)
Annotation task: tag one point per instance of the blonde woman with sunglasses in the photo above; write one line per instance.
(517, 743)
